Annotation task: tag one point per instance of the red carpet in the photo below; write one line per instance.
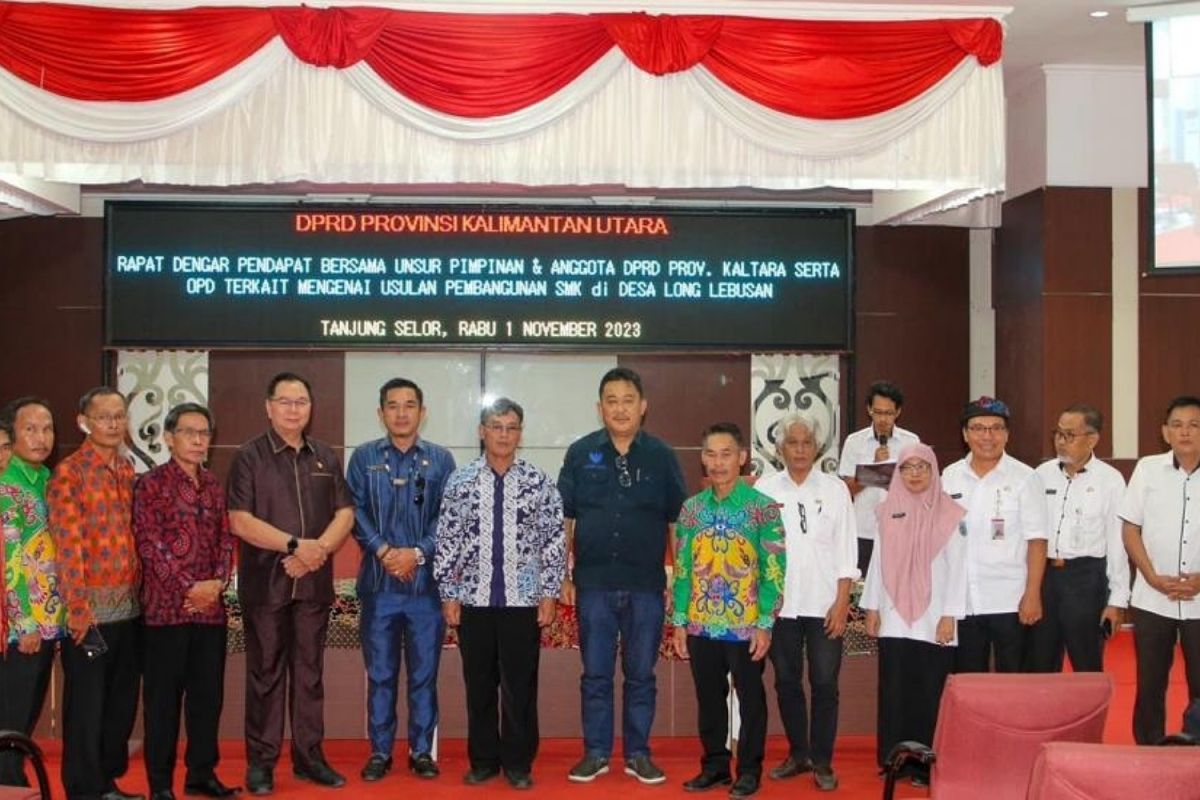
(854, 761)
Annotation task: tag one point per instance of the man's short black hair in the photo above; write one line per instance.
(85, 402)
(172, 420)
(1091, 415)
(499, 407)
(10, 411)
(400, 383)
(1183, 401)
(6, 426)
(287, 377)
(622, 374)
(728, 428)
(885, 389)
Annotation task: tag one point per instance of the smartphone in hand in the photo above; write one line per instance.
(93, 644)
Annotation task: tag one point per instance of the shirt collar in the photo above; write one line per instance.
(736, 496)
(637, 440)
(278, 445)
(93, 456)
(1174, 463)
(28, 473)
(1062, 466)
(418, 446)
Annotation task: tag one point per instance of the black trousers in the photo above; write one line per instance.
(100, 697)
(500, 650)
(791, 640)
(984, 638)
(865, 548)
(911, 677)
(713, 662)
(1154, 639)
(23, 682)
(285, 665)
(1073, 598)
(184, 668)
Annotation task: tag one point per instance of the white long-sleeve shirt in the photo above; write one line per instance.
(822, 546)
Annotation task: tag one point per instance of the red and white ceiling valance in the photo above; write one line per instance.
(228, 95)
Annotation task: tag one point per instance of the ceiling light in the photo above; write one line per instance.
(1097, 14)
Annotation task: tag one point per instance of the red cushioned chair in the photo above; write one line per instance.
(11, 740)
(990, 728)
(1071, 771)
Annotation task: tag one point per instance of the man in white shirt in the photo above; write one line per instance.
(818, 521)
(878, 443)
(1006, 541)
(1161, 513)
(1087, 571)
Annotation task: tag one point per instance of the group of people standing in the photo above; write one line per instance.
(989, 563)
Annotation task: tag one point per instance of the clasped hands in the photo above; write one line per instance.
(203, 596)
(309, 557)
(1178, 587)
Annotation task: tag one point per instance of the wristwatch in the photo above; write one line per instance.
(420, 557)
(292, 544)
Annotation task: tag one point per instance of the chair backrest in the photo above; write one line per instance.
(990, 728)
(12, 740)
(1071, 770)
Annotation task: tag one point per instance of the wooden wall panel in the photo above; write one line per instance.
(1017, 279)
(51, 320)
(1078, 240)
(912, 327)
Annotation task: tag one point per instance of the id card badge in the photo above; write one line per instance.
(998, 529)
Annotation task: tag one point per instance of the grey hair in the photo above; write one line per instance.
(499, 407)
(808, 421)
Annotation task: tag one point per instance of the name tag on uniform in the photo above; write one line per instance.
(998, 529)
(956, 496)
(900, 515)
(1052, 491)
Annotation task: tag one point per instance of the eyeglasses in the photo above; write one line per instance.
(1069, 436)
(993, 428)
(803, 518)
(193, 433)
(495, 427)
(882, 412)
(623, 476)
(109, 419)
(298, 404)
(914, 468)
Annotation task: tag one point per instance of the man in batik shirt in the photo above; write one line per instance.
(31, 611)
(500, 560)
(728, 587)
(186, 547)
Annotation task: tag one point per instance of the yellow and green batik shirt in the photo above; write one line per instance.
(31, 599)
(729, 564)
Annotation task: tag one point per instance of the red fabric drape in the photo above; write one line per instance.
(485, 65)
(119, 54)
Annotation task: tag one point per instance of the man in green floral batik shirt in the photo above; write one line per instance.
(31, 618)
(728, 587)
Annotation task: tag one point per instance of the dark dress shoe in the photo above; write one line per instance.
(519, 780)
(707, 780)
(744, 786)
(260, 780)
(162, 794)
(321, 774)
(115, 793)
(376, 767)
(790, 768)
(477, 775)
(210, 787)
(423, 766)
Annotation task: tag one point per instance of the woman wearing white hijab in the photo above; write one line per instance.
(916, 590)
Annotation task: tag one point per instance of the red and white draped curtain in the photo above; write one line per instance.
(234, 95)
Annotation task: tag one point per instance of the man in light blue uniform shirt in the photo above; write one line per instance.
(397, 482)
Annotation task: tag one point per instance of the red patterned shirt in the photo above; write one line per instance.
(183, 537)
(91, 498)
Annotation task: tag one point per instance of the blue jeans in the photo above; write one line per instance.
(637, 618)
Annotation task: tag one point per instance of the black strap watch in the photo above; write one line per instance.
(292, 544)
